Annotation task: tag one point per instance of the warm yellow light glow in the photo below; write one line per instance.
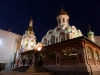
(38, 47)
(31, 43)
(26, 42)
(1, 43)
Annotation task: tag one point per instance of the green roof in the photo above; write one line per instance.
(90, 33)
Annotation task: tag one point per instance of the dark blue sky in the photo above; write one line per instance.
(15, 15)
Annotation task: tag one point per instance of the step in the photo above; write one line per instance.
(36, 69)
(7, 72)
(22, 68)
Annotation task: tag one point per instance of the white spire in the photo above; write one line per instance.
(31, 22)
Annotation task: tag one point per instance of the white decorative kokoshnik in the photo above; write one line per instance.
(62, 32)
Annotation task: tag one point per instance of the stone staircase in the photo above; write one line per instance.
(36, 69)
(22, 69)
(26, 70)
(9, 72)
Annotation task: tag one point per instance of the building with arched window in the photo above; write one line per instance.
(9, 43)
(73, 52)
(90, 53)
(63, 49)
(62, 32)
(76, 55)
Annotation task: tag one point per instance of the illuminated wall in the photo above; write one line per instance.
(62, 32)
(8, 46)
(28, 41)
(97, 39)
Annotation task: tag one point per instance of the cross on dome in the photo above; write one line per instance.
(62, 12)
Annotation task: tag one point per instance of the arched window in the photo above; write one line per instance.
(63, 20)
(62, 37)
(26, 42)
(52, 40)
(69, 53)
(97, 55)
(22, 41)
(90, 53)
(59, 21)
(45, 42)
(65, 54)
(32, 40)
(51, 56)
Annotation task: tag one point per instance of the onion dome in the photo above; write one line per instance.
(90, 33)
(62, 12)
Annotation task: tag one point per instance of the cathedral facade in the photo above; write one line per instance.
(63, 49)
(62, 32)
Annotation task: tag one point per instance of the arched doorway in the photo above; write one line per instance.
(38, 59)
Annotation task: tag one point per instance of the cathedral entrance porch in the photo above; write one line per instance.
(29, 58)
(38, 59)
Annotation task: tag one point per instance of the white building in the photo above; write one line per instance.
(9, 43)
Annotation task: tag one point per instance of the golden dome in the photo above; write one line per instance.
(62, 12)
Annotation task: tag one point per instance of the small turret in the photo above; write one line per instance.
(63, 18)
(28, 41)
(31, 22)
(30, 28)
(90, 34)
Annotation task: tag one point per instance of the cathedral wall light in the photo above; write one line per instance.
(39, 47)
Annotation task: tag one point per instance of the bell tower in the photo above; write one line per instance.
(28, 41)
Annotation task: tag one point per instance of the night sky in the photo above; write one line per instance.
(15, 15)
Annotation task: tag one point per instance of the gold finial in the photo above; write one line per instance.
(89, 28)
(61, 7)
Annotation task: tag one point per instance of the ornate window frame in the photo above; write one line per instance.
(90, 53)
(51, 56)
(52, 40)
(62, 37)
(69, 53)
(97, 55)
